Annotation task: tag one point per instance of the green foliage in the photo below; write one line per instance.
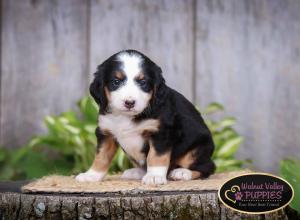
(289, 170)
(6, 169)
(70, 143)
(227, 140)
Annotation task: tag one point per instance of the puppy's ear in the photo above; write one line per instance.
(97, 89)
(160, 88)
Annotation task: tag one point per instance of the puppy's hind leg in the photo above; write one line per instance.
(192, 167)
(184, 174)
(205, 168)
(194, 171)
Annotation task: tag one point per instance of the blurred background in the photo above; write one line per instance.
(243, 54)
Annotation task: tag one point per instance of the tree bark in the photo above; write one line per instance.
(136, 205)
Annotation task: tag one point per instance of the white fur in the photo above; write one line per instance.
(130, 90)
(181, 174)
(90, 176)
(134, 173)
(128, 133)
(131, 64)
(155, 175)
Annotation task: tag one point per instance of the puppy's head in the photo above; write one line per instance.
(127, 83)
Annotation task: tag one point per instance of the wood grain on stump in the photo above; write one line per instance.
(176, 200)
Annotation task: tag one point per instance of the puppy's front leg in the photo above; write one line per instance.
(157, 167)
(105, 153)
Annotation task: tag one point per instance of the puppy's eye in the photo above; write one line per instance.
(116, 82)
(142, 82)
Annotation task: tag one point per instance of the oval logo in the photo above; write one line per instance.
(256, 193)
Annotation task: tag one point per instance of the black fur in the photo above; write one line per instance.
(97, 89)
(181, 126)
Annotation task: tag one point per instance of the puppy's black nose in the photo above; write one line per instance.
(129, 104)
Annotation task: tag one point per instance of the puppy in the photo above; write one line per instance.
(158, 128)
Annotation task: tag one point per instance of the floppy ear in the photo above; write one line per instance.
(97, 89)
(160, 88)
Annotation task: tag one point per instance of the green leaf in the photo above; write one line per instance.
(19, 154)
(61, 166)
(51, 124)
(3, 154)
(89, 109)
(227, 168)
(6, 172)
(227, 122)
(212, 108)
(35, 165)
(224, 123)
(72, 129)
(211, 125)
(228, 133)
(228, 162)
(72, 119)
(289, 166)
(289, 170)
(51, 142)
(229, 148)
(90, 128)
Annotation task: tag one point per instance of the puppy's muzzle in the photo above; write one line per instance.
(129, 103)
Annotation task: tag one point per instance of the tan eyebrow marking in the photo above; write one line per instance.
(140, 76)
(119, 75)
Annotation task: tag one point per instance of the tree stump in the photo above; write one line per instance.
(135, 203)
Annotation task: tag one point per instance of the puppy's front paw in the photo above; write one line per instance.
(152, 179)
(90, 176)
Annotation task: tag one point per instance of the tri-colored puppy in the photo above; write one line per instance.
(158, 128)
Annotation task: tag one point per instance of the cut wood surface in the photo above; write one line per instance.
(68, 184)
(176, 200)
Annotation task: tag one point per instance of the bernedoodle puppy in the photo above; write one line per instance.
(158, 128)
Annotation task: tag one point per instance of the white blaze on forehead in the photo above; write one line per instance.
(131, 64)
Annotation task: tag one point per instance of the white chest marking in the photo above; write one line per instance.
(128, 133)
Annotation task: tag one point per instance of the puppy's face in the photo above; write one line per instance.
(128, 80)
(129, 88)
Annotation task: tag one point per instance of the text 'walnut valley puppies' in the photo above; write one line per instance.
(158, 128)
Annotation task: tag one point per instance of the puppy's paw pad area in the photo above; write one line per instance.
(180, 174)
(133, 174)
(150, 179)
(89, 177)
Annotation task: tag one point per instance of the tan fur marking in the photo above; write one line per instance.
(195, 174)
(155, 159)
(186, 160)
(105, 155)
(107, 93)
(140, 76)
(150, 125)
(119, 75)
